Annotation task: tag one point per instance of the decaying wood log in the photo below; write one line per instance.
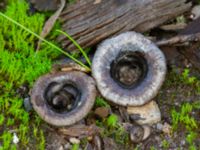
(89, 22)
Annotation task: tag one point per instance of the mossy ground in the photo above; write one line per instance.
(179, 101)
(20, 66)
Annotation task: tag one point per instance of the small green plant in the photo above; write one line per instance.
(100, 102)
(152, 148)
(75, 147)
(112, 121)
(136, 148)
(190, 139)
(42, 141)
(2, 119)
(165, 144)
(186, 77)
(184, 117)
(196, 105)
(6, 137)
(185, 73)
(112, 128)
(181, 19)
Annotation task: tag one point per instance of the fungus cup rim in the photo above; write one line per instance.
(85, 84)
(108, 50)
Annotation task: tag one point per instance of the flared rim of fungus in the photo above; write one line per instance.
(63, 98)
(128, 69)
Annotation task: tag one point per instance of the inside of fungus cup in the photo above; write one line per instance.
(129, 68)
(62, 97)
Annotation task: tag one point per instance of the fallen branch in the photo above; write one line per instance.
(180, 39)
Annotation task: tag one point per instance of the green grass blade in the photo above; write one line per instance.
(47, 42)
(77, 45)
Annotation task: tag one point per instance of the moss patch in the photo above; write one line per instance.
(19, 65)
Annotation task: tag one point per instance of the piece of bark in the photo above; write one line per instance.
(80, 131)
(89, 23)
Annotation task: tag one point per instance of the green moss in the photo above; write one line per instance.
(75, 147)
(112, 121)
(112, 128)
(165, 144)
(100, 102)
(180, 98)
(20, 64)
(184, 117)
(6, 139)
(190, 139)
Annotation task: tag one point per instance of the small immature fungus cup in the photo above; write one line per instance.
(128, 69)
(63, 98)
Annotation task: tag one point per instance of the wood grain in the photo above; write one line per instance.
(90, 23)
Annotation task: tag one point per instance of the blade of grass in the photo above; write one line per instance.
(77, 45)
(47, 42)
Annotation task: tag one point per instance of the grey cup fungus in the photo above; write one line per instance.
(63, 98)
(129, 69)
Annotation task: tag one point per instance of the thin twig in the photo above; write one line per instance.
(180, 39)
